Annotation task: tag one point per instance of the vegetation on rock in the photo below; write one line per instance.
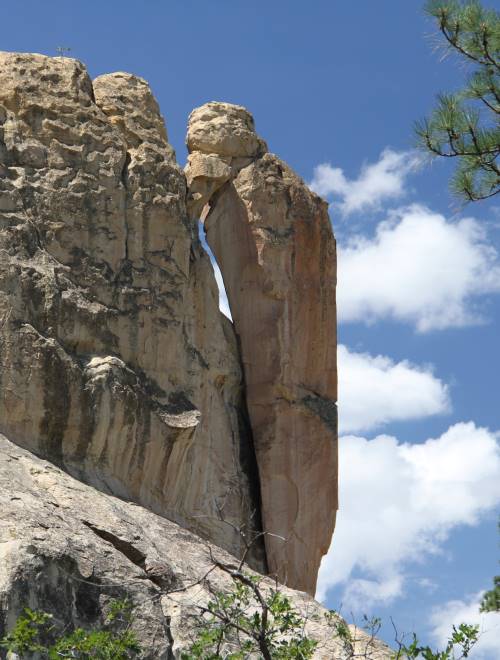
(246, 621)
(35, 633)
(242, 623)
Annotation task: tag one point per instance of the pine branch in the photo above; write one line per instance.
(465, 125)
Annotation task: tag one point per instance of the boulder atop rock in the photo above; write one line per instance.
(224, 129)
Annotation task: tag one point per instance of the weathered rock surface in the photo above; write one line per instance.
(274, 244)
(115, 361)
(68, 549)
(116, 364)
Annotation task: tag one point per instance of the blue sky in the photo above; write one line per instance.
(338, 84)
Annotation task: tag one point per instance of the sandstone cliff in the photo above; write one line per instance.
(116, 364)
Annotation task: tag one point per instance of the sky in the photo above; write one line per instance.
(335, 87)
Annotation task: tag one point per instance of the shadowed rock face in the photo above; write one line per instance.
(115, 361)
(274, 244)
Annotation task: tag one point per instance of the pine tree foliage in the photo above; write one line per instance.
(466, 125)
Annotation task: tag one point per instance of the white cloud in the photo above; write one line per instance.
(374, 390)
(361, 593)
(418, 268)
(455, 612)
(398, 503)
(376, 182)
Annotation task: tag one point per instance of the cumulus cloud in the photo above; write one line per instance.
(454, 612)
(376, 183)
(399, 502)
(374, 390)
(419, 268)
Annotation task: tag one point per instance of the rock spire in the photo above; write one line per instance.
(273, 241)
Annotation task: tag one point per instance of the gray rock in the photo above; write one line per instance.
(68, 549)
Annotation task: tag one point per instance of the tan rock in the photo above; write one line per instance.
(131, 107)
(205, 173)
(115, 361)
(224, 129)
(273, 241)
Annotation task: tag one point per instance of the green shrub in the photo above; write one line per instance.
(115, 641)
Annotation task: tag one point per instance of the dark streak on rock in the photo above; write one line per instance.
(326, 409)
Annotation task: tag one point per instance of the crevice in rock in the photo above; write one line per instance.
(159, 573)
(56, 405)
(126, 548)
(170, 638)
(249, 466)
(200, 201)
(124, 180)
(246, 449)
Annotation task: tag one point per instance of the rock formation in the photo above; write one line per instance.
(68, 549)
(273, 241)
(116, 364)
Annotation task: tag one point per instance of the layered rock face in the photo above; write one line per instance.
(116, 364)
(67, 549)
(115, 361)
(274, 244)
